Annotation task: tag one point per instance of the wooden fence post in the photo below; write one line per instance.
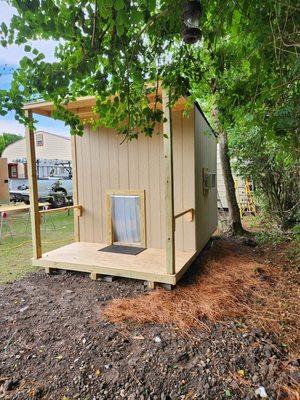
(33, 191)
(169, 190)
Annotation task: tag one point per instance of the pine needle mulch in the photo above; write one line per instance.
(231, 281)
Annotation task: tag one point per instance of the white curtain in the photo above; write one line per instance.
(126, 218)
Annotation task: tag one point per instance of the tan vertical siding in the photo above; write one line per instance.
(104, 163)
(178, 176)
(142, 149)
(188, 172)
(155, 174)
(205, 157)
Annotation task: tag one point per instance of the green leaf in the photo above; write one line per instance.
(27, 48)
(40, 57)
(120, 30)
(119, 5)
(152, 5)
(4, 29)
(122, 18)
(136, 16)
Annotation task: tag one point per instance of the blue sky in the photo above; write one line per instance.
(9, 59)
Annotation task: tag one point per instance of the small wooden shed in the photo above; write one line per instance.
(144, 208)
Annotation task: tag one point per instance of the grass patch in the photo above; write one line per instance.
(15, 254)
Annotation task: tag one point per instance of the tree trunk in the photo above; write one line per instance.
(233, 207)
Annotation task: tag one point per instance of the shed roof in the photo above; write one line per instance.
(83, 106)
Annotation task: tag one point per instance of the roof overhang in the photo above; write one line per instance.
(84, 106)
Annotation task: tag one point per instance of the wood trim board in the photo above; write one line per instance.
(141, 194)
(33, 190)
(169, 184)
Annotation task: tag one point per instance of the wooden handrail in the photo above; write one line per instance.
(190, 210)
(66, 208)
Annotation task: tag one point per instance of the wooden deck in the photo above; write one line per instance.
(149, 265)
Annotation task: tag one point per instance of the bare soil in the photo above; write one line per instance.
(56, 343)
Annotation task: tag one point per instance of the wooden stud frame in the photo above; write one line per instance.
(169, 185)
(33, 190)
(141, 194)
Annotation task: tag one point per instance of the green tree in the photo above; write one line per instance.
(247, 62)
(1, 144)
(275, 176)
(6, 139)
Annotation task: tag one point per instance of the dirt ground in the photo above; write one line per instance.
(57, 344)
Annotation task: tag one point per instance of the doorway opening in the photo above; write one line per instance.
(126, 225)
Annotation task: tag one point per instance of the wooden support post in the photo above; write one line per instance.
(94, 276)
(169, 190)
(105, 278)
(33, 191)
(150, 285)
(75, 187)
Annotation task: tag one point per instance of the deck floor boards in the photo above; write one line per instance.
(148, 265)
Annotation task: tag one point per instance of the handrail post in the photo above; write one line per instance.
(33, 190)
(169, 185)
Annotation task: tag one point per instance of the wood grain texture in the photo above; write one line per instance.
(206, 202)
(33, 191)
(4, 188)
(169, 185)
(136, 165)
(149, 265)
(77, 210)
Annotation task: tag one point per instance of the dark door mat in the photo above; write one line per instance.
(115, 248)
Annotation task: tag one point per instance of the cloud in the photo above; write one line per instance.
(13, 54)
(7, 12)
(13, 126)
(9, 59)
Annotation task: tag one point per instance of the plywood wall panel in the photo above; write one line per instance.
(113, 150)
(188, 188)
(178, 176)
(154, 190)
(105, 181)
(142, 150)
(123, 162)
(104, 164)
(206, 203)
(133, 164)
(162, 190)
(88, 188)
(95, 180)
